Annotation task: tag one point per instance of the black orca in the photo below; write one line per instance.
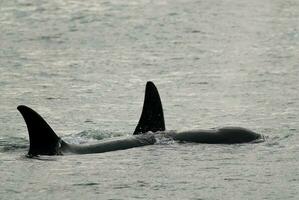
(44, 141)
(224, 135)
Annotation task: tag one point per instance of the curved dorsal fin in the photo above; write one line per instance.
(43, 140)
(152, 117)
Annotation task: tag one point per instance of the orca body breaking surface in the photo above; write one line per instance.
(44, 141)
(224, 135)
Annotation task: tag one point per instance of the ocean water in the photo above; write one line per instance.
(83, 66)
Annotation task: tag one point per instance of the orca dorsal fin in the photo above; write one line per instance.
(43, 140)
(152, 117)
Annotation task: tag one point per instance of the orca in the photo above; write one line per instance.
(44, 141)
(224, 135)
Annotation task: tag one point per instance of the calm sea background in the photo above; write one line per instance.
(83, 66)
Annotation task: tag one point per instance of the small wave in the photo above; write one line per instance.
(42, 158)
(278, 140)
(161, 139)
(286, 136)
(263, 138)
(91, 136)
(13, 143)
(85, 184)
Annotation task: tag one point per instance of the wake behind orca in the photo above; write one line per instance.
(44, 141)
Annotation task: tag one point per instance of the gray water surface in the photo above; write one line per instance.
(83, 66)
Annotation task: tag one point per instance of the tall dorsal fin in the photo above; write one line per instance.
(152, 117)
(43, 140)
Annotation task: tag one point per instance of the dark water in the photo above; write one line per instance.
(84, 65)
